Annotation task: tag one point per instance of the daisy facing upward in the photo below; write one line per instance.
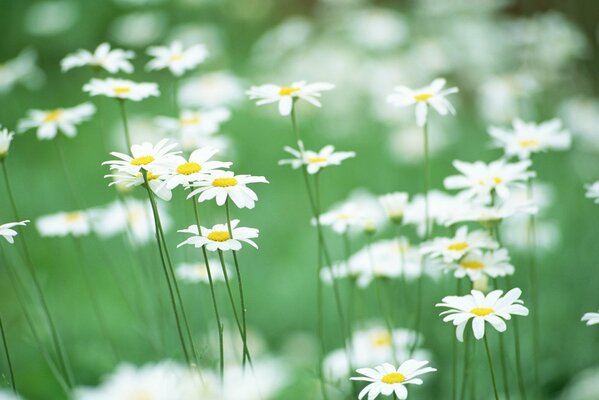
(287, 95)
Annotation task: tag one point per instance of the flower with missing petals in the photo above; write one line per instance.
(287, 95)
(113, 61)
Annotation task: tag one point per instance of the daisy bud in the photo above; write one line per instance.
(5, 139)
(481, 284)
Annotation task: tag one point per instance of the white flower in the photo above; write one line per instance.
(316, 160)
(21, 70)
(287, 95)
(432, 95)
(211, 90)
(591, 318)
(176, 58)
(593, 191)
(453, 249)
(480, 181)
(75, 223)
(492, 308)
(491, 263)
(146, 156)
(198, 272)
(49, 123)
(441, 207)
(195, 122)
(491, 214)
(385, 379)
(121, 89)
(8, 233)
(223, 185)
(113, 61)
(219, 238)
(125, 178)
(527, 138)
(5, 139)
(9, 395)
(394, 205)
(179, 171)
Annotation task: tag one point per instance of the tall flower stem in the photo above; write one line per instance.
(176, 106)
(466, 371)
(125, 123)
(8, 359)
(56, 340)
(534, 292)
(455, 351)
(491, 367)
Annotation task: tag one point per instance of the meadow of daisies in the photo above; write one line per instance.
(255, 200)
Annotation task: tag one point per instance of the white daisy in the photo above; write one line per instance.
(394, 205)
(591, 318)
(453, 249)
(385, 379)
(198, 272)
(314, 161)
(432, 95)
(491, 263)
(121, 89)
(489, 215)
(75, 223)
(146, 156)
(176, 58)
(113, 61)
(223, 185)
(195, 122)
(341, 217)
(441, 207)
(129, 179)
(180, 171)
(49, 123)
(287, 95)
(493, 308)
(593, 191)
(219, 238)
(527, 138)
(8, 233)
(480, 181)
(5, 139)
(211, 90)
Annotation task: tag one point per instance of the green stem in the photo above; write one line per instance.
(466, 371)
(534, 293)
(455, 352)
(176, 106)
(491, 367)
(8, 360)
(125, 123)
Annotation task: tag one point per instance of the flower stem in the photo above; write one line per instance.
(466, 366)
(534, 293)
(491, 367)
(455, 352)
(125, 123)
(8, 360)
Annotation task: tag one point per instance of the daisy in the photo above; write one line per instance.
(593, 191)
(492, 308)
(480, 181)
(5, 140)
(113, 61)
(8, 233)
(385, 379)
(491, 215)
(394, 205)
(341, 217)
(591, 318)
(195, 122)
(219, 238)
(223, 185)
(180, 171)
(492, 263)
(75, 223)
(130, 179)
(121, 89)
(432, 95)
(198, 272)
(145, 156)
(176, 58)
(49, 123)
(453, 249)
(287, 95)
(528, 138)
(314, 161)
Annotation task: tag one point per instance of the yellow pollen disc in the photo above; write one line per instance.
(189, 168)
(121, 89)
(423, 96)
(224, 182)
(53, 116)
(176, 57)
(152, 176)
(482, 311)
(314, 160)
(393, 377)
(457, 246)
(527, 143)
(497, 180)
(193, 120)
(287, 90)
(219, 236)
(472, 264)
(382, 340)
(73, 217)
(143, 160)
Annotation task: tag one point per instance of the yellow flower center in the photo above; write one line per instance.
(176, 57)
(152, 176)
(482, 311)
(287, 90)
(142, 395)
(189, 168)
(382, 340)
(143, 160)
(314, 160)
(224, 182)
(423, 96)
(53, 116)
(121, 89)
(393, 377)
(219, 236)
(497, 180)
(193, 120)
(73, 217)
(457, 246)
(472, 264)
(528, 143)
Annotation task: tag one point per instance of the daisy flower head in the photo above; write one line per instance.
(341, 217)
(480, 181)
(593, 191)
(145, 156)
(194, 122)
(8, 233)
(50, 122)
(196, 169)
(121, 89)
(491, 263)
(528, 138)
(492, 308)
(433, 95)
(387, 380)
(286, 96)
(124, 178)
(315, 161)
(61, 224)
(112, 60)
(489, 216)
(5, 139)
(394, 205)
(464, 242)
(223, 185)
(198, 272)
(591, 318)
(219, 238)
(175, 58)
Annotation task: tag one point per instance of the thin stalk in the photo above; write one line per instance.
(491, 367)
(504, 371)
(8, 359)
(79, 203)
(176, 106)
(402, 264)
(455, 352)
(466, 365)
(125, 123)
(534, 292)
(320, 328)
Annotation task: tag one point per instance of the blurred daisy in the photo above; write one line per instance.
(129, 179)
(453, 249)
(49, 123)
(8, 233)
(5, 139)
(121, 89)
(287, 95)
(112, 60)
(432, 95)
(314, 161)
(591, 318)
(480, 181)
(341, 217)
(528, 138)
(198, 272)
(176, 58)
(211, 90)
(475, 266)
(385, 379)
(144, 156)
(223, 185)
(489, 215)
(493, 308)
(180, 171)
(195, 122)
(394, 205)
(219, 238)
(592, 191)
(75, 223)
(21, 70)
